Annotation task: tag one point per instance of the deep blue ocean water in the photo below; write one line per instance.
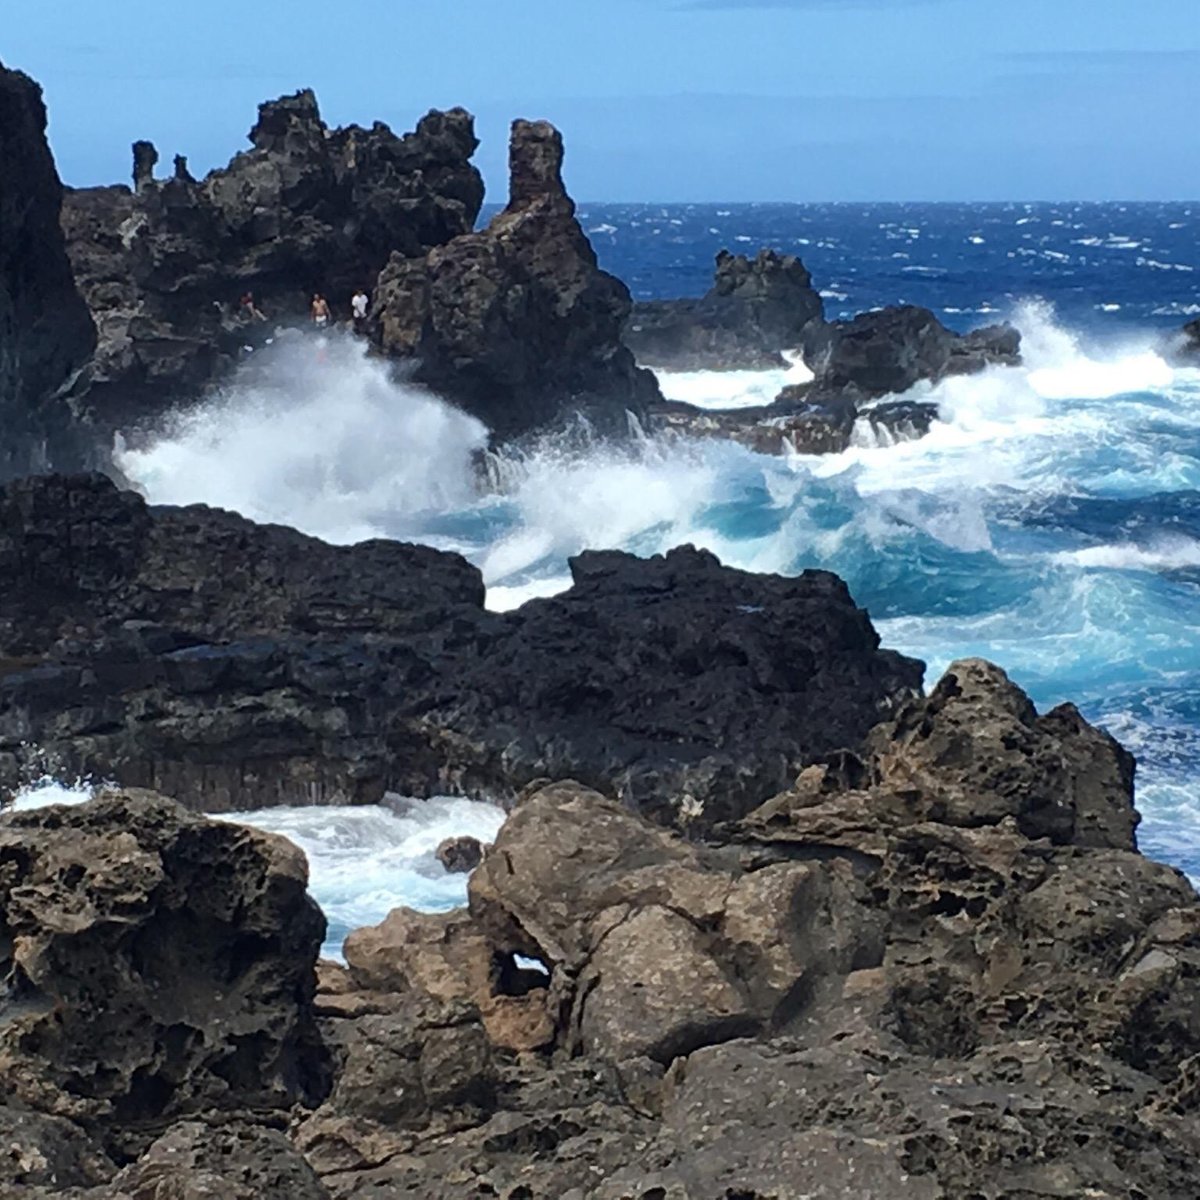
(1050, 522)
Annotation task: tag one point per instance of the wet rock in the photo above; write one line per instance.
(516, 323)
(1187, 343)
(890, 350)
(46, 335)
(307, 209)
(156, 965)
(460, 854)
(755, 309)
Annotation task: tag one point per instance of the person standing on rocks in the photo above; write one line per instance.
(359, 303)
(320, 310)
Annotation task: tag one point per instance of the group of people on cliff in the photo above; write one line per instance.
(320, 311)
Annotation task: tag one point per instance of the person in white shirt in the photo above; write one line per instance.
(358, 310)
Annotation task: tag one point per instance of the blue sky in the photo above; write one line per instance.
(661, 99)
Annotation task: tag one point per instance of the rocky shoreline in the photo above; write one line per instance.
(765, 920)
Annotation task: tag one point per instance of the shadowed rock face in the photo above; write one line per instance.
(755, 308)
(516, 323)
(308, 208)
(46, 334)
(155, 964)
(1188, 343)
(194, 651)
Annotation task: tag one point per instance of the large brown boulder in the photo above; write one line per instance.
(516, 323)
(46, 335)
(155, 965)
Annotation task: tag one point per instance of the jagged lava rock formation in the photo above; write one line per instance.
(516, 323)
(46, 335)
(163, 265)
(760, 307)
(755, 308)
(240, 665)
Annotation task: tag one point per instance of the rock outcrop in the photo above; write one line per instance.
(46, 335)
(516, 323)
(888, 351)
(761, 307)
(164, 266)
(155, 966)
(193, 651)
(939, 969)
(755, 309)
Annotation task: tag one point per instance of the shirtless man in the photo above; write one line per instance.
(320, 310)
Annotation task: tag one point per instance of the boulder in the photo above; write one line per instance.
(459, 855)
(156, 965)
(755, 309)
(163, 267)
(46, 335)
(516, 323)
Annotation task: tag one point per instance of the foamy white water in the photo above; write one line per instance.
(365, 860)
(733, 389)
(316, 434)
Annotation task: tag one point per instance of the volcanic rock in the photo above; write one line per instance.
(46, 335)
(307, 209)
(516, 323)
(459, 854)
(755, 309)
(155, 965)
(1188, 342)
(240, 665)
(890, 350)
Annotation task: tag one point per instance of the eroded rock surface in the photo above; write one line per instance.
(516, 323)
(240, 665)
(155, 965)
(46, 335)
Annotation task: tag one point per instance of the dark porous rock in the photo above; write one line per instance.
(890, 350)
(155, 965)
(238, 665)
(1187, 344)
(164, 266)
(460, 854)
(46, 335)
(516, 323)
(233, 1161)
(755, 309)
(674, 676)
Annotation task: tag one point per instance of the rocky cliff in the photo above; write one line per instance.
(516, 323)
(307, 209)
(193, 651)
(46, 334)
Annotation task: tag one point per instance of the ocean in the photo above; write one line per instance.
(1049, 522)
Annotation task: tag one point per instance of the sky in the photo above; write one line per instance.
(660, 100)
